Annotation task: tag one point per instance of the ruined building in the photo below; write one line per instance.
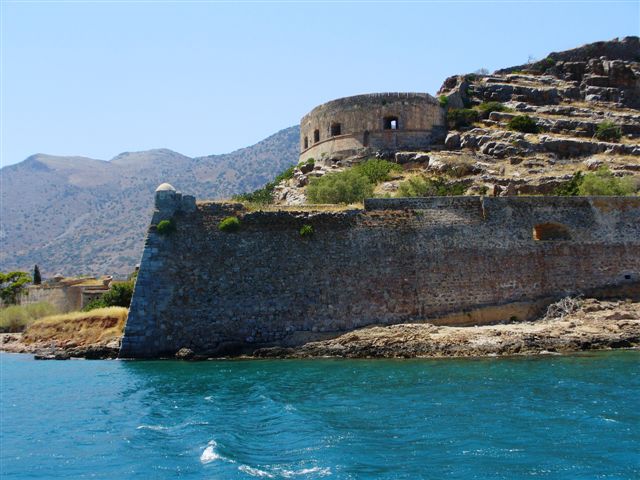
(375, 122)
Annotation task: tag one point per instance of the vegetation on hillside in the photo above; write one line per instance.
(485, 108)
(11, 284)
(524, 124)
(461, 117)
(346, 187)
(423, 186)
(600, 182)
(350, 186)
(608, 131)
(16, 318)
(119, 295)
(264, 195)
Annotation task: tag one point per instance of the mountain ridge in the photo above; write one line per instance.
(80, 215)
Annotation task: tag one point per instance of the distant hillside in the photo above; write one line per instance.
(77, 215)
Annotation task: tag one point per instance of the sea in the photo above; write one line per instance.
(539, 417)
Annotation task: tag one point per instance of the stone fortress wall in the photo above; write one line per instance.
(395, 261)
(379, 121)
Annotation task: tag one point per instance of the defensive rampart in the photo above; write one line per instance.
(398, 260)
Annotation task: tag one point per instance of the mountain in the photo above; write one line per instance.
(77, 215)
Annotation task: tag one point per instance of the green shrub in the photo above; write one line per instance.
(486, 108)
(229, 224)
(118, 296)
(443, 100)
(608, 131)
(348, 186)
(461, 117)
(166, 227)
(377, 170)
(16, 318)
(421, 186)
(306, 231)
(524, 124)
(572, 187)
(264, 195)
(602, 182)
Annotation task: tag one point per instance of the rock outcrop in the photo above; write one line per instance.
(593, 325)
(568, 96)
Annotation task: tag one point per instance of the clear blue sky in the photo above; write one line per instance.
(97, 79)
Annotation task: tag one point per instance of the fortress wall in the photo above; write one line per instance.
(399, 260)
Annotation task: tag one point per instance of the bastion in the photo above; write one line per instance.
(394, 261)
(374, 122)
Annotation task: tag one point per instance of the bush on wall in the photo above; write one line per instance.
(165, 227)
(306, 231)
(229, 224)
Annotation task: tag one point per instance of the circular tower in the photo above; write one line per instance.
(378, 121)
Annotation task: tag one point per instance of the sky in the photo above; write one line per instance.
(203, 77)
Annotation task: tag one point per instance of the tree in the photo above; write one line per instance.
(37, 278)
(118, 296)
(11, 284)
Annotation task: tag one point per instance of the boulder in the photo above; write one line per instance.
(185, 354)
(593, 164)
(452, 142)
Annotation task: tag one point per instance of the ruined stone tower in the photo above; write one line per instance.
(377, 121)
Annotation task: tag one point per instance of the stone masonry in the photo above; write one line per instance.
(373, 122)
(395, 261)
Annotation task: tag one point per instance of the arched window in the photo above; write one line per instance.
(551, 231)
(336, 129)
(316, 136)
(390, 123)
(306, 142)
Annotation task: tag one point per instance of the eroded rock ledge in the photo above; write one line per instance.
(594, 325)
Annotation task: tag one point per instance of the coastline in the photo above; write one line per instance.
(596, 325)
(592, 325)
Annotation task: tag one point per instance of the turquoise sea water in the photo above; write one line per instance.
(573, 417)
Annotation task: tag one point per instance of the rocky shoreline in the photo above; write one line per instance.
(14, 343)
(582, 325)
(594, 325)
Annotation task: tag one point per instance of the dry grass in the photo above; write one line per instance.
(16, 318)
(81, 328)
